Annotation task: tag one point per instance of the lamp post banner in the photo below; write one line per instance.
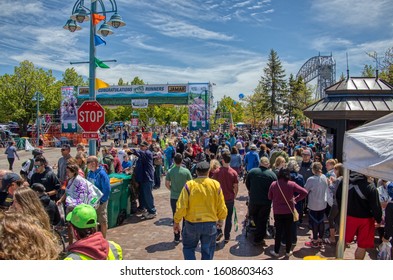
(198, 108)
(68, 109)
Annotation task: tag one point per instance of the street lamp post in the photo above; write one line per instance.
(81, 13)
(206, 112)
(38, 97)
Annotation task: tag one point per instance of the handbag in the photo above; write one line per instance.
(294, 211)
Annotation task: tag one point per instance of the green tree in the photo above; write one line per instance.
(17, 90)
(72, 78)
(228, 108)
(137, 81)
(273, 86)
(368, 71)
(299, 97)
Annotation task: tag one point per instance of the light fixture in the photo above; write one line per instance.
(105, 30)
(72, 26)
(80, 15)
(116, 21)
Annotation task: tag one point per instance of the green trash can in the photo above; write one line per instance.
(114, 204)
(125, 205)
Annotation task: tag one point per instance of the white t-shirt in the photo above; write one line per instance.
(121, 154)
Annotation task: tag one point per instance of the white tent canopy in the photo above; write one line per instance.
(368, 149)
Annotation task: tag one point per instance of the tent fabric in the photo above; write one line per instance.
(368, 149)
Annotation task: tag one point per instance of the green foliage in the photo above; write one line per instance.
(272, 86)
(368, 71)
(299, 97)
(72, 78)
(137, 81)
(17, 90)
(229, 109)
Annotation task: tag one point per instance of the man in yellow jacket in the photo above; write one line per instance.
(90, 244)
(201, 203)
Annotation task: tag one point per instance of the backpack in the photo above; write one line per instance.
(26, 172)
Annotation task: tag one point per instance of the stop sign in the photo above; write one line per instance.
(91, 116)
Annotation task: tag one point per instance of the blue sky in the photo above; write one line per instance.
(225, 42)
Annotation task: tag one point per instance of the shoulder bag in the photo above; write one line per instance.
(294, 211)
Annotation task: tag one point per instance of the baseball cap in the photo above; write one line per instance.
(144, 144)
(83, 216)
(280, 145)
(253, 147)
(37, 152)
(8, 179)
(203, 166)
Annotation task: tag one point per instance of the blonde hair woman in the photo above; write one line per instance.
(24, 238)
(279, 163)
(317, 187)
(214, 166)
(27, 202)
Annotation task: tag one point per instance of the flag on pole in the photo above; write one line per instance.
(98, 40)
(101, 84)
(97, 18)
(100, 64)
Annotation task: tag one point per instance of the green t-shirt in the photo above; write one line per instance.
(178, 176)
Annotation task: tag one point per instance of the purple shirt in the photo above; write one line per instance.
(288, 188)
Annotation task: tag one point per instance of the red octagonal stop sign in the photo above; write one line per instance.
(91, 116)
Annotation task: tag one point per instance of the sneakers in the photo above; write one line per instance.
(140, 211)
(274, 254)
(312, 244)
(289, 254)
(148, 216)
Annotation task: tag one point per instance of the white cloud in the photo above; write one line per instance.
(172, 27)
(328, 44)
(13, 9)
(352, 13)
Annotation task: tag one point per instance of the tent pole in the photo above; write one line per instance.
(343, 215)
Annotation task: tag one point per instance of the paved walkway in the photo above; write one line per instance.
(153, 239)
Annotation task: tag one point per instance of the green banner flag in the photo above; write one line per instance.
(100, 64)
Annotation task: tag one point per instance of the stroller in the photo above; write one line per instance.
(250, 226)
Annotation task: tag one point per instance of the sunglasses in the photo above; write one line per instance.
(37, 165)
(89, 161)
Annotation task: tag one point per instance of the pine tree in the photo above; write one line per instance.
(273, 87)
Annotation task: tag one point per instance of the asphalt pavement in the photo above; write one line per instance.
(153, 239)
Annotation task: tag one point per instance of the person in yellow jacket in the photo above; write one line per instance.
(201, 203)
(90, 244)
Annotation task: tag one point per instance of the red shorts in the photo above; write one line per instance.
(363, 228)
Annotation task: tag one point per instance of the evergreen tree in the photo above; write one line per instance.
(273, 87)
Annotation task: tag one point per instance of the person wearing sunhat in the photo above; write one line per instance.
(90, 244)
(201, 203)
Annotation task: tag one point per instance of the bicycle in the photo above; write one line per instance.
(61, 233)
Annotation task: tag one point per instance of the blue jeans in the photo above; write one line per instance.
(193, 233)
(147, 199)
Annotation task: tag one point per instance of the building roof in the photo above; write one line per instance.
(356, 98)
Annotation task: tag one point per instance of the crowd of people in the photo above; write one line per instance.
(32, 203)
(284, 172)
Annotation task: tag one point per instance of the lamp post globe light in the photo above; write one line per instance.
(82, 13)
